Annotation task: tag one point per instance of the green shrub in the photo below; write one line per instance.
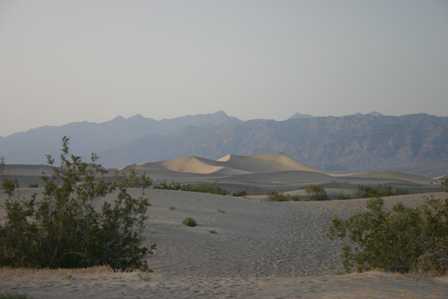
(400, 240)
(202, 187)
(378, 191)
(277, 196)
(189, 222)
(316, 192)
(342, 196)
(239, 194)
(72, 225)
(9, 186)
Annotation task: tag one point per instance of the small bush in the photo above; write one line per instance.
(276, 196)
(280, 197)
(378, 191)
(189, 222)
(400, 240)
(203, 187)
(9, 186)
(72, 225)
(342, 196)
(239, 194)
(316, 192)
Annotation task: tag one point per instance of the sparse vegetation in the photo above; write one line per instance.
(379, 191)
(400, 240)
(202, 187)
(316, 192)
(72, 224)
(189, 222)
(240, 194)
(342, 196)
(277, 196)
(9, 186)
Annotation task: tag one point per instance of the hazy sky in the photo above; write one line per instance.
(63, 61)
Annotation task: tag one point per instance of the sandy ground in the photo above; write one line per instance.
(241, 249)
(104, 284)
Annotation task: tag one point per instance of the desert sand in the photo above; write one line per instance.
(241, 249)
(233, 164)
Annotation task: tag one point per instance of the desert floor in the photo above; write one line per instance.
(242, 248)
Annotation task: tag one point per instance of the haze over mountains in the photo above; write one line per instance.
(417, 143)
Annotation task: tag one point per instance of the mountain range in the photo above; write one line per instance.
(415, 143)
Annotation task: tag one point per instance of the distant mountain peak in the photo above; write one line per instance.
(375, 114)
(220, 113)
(137, 116)
(300, 116)
(118, 118)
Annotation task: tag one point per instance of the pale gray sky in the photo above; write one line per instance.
(64, 61)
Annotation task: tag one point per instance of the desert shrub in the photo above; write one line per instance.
(202, 187)
(277, 196)
(205, 188)
(378, 191)
(9, 186)
(400, 240)
(189, 222)
(239, 194)
(342, 196)
(316, 192)
(72, 224)
(132, 180)
(168, 186)
(14, 296)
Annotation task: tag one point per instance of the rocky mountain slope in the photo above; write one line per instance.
(417, 143)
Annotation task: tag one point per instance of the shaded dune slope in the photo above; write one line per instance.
(264, 163)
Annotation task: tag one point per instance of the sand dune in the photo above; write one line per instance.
(267, 173)
(228, 165)
(264, 163)
(191, 165)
